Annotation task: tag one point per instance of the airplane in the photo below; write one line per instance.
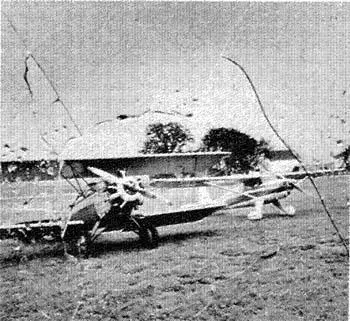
(109, 203)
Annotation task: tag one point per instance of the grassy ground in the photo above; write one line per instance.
(222, 268)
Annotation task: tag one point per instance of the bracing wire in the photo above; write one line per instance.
(292, 152)
(58, 99)
(56, 93)
(29, 54)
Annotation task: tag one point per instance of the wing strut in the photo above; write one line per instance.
(231, 191)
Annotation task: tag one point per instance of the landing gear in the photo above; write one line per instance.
(286, 210)
(257, 213)
(149, 236)
(84, 245)
(289, 210)
(255, 216)
(80, 246)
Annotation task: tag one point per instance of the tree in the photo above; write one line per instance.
(345, 157)
(166, 138)
(244, 149)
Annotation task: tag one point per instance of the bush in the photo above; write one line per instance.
(166, 138)
(244, 149)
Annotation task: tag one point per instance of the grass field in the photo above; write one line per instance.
(222, 268)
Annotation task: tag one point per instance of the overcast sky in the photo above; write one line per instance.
(114, 58)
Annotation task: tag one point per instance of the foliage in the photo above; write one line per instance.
(244, 149)
(264, 147)
(345, 157)
(29, 170)
(166, 138)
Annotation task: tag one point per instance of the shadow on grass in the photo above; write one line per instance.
(134, 244)
(12, 252)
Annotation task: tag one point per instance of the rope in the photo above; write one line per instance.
(292, 152)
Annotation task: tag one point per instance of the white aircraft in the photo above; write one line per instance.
(108, 203)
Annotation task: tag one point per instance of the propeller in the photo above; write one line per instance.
(127, 182)
(296, 184)
(109, 178)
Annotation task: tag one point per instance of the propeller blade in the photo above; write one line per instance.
(298, 188)
(112, 179)
(145, 193)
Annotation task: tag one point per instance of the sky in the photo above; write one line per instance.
(112, 58)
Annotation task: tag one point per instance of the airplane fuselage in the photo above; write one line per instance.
(267, 192)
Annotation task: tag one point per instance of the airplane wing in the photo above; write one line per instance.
(237, 178)
(319, 173)
(200, 181)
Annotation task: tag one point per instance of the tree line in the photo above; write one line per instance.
(172, 137)
(245, 150)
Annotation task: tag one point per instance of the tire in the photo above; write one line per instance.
(80, 246)
(84, 246)
(149, 237)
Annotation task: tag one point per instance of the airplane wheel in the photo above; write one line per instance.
(83, 246)
(290, 210)
(80, 246)
(149, 236)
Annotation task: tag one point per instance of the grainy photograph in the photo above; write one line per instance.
(174, 160)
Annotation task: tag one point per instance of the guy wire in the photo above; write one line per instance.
(292, 152)
(29, 54)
